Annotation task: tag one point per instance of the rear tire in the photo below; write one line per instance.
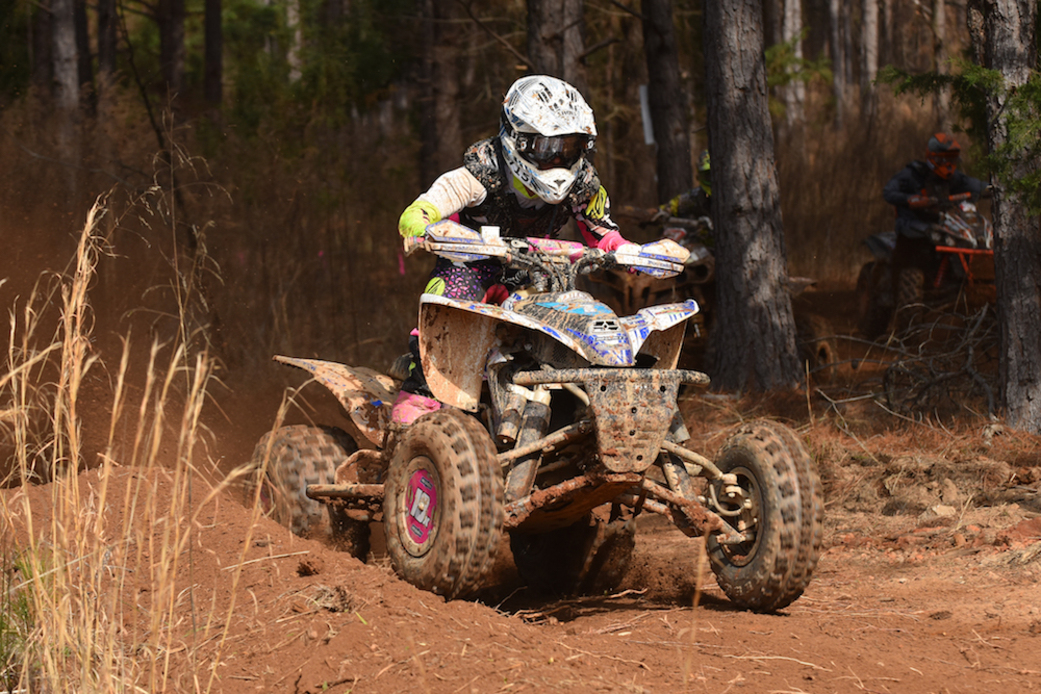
(874, 299)
(443, 504)
(781, 510)
(296, 456)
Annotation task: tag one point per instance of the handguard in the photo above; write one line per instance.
(661, 258)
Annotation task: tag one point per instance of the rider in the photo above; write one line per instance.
(529, 180)
(696, 202)
(916, 192)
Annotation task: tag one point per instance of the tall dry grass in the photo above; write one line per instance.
(74, 549)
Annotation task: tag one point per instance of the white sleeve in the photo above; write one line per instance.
(454, 190)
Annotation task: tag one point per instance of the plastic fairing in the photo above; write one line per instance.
(366, 396)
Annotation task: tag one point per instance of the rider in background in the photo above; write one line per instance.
(694, 203)
(529, 180)
(917, 191)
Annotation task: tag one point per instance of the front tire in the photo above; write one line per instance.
(910, 295)
(443, 504)
(815, 338)
(780, 508)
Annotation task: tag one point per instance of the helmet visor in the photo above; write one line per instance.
(559, 151)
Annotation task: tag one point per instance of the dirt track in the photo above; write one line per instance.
(893, 608)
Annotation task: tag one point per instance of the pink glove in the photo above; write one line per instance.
(610, 241)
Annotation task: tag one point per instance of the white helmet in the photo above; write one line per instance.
(547, 129)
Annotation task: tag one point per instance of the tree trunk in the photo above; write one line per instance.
(295, 25)
(793, 94)
(667, 101)
(171, 44)
(66, 69)
(941, 101)
(441, 134)
(754, 333)
(886, 51)
(869, 56)
(1003, 34)
(84, 64)
(107, 32)
(840, 58)
(556, 41)
(43, 48)
(213, 87)
(66, 89)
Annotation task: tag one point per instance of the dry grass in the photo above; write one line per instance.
(78, 548)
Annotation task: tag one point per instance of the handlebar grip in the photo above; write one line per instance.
(411, 243)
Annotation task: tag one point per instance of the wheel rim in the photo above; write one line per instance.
(743, 513)
(420, 510)
(266, 499)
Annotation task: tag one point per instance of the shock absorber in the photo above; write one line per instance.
(534, 425)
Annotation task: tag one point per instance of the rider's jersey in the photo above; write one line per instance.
(918, 179)
(483, 192)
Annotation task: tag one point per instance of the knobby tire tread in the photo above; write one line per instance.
(790, 524)
(299, 455)
(471, 503)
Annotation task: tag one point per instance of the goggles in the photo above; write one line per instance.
(559, 151)
(943, 163)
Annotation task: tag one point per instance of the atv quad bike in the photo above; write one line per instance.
(959, 272)
(559, 426)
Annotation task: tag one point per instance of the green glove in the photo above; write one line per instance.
(416, 217)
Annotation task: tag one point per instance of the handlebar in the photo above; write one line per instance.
(559, 261)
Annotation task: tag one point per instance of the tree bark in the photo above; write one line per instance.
(107, 32)
(441, 137)
(294, 23)
(1004, 37)
(941, 102)
(840, 59)
(171, 44)
(43, 48)
(793, 94)
(556, 40)
(754, 333)
(667, 100)
(66, 69)
(868, 56)
(213, 86)
(84, 64)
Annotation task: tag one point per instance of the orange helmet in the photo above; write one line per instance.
(943, 154)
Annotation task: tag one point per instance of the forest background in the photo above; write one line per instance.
(253, 169)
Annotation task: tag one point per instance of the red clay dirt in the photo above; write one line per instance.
(930, 580)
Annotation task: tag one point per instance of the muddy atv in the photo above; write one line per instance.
(559, 426)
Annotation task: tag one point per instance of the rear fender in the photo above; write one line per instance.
(366, 395)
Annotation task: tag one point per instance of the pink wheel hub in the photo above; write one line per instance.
(421, 503)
